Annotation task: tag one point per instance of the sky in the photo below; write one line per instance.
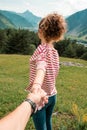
(44, 7)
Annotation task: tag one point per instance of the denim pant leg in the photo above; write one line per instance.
(49, 111)
(39, 119)
(42, 118)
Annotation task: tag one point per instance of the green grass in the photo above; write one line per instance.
(71, 85)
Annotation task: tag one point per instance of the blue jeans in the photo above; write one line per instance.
(43, 118)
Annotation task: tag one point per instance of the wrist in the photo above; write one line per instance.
(35, 87)
(32, 104)
(36, 83)
(28, 107)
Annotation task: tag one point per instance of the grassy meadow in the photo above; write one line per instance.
(71, 108)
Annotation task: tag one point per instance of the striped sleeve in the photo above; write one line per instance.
(41, 59)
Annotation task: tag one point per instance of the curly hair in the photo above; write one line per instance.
(53, 26)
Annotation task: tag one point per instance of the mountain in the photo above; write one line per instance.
(31, 18)
(16, 19)
(77, 24)
(5, 22)
(25, 20)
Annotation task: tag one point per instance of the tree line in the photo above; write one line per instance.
(20, 41)
(13, 41)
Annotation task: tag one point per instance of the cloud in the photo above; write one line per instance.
(61, 6)
(67, 7)
(41, 8)
(78, 4)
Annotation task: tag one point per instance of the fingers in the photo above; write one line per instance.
(39, 91)
(39, 96)
(45, 99)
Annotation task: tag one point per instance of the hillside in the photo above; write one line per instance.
(26, 20)
(31, 18)
(77, 24)
(5, 22)
(16, 19)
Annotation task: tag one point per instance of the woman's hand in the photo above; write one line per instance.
(38, 96)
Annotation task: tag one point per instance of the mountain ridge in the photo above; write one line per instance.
(24, 20)
(4, 20)
(76, 23)
(28, 16)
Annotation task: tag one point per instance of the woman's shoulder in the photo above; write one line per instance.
(42, 48)
(40, 51)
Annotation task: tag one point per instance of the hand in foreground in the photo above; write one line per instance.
(38, 96)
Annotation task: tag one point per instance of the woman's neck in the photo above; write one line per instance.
(50, 44)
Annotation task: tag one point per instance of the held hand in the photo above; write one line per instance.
(38, 96)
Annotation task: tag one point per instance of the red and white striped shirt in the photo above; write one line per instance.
(47, 59)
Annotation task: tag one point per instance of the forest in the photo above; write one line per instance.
(21, 41)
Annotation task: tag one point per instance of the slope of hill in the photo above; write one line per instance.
(77, 24)
(17, 20)
(5, 22)
(25, 20)
(31, 18)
